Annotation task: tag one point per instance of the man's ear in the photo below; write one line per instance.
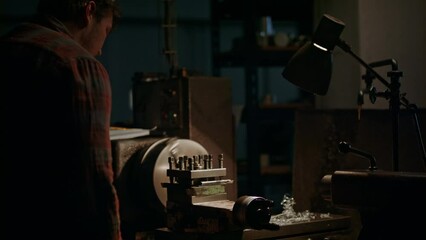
(89, 12)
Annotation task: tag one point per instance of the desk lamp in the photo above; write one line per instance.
(310, 69)
(388, 200)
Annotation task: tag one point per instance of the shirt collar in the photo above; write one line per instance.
(53, 23)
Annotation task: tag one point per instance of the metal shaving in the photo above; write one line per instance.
(289, 215)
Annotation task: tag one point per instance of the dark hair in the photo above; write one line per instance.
(72, 10)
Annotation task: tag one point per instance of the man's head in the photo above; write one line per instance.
(89, 21)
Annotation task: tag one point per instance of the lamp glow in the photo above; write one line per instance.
(322, 48)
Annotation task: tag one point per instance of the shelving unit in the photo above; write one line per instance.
(249, 56)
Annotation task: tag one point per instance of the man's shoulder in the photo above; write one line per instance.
(57, 43)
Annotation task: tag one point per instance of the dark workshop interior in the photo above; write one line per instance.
(343, 146)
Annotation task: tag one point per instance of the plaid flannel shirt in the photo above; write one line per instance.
(57, 178)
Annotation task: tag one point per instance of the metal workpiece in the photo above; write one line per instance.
(196, 162)
(185, 162)
(220, 158)
(206, 161)
(180, 163)
(190, 164)
(210, 161)
(254, 212)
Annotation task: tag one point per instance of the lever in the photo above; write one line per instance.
(345, 147)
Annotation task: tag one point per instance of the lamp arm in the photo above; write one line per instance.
(384, 63)
(345, 47)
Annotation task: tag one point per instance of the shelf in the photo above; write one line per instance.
(269, 128)
(263, 57)
(275, 170)
(289, 106)
(277, 9)
(270, 170)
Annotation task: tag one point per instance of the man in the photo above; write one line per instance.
(57, 178)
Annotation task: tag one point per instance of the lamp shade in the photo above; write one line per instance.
(311, 66)
(310, 69)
